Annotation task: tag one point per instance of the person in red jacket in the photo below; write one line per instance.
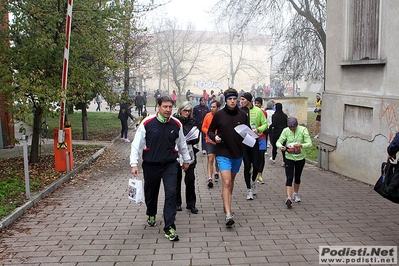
(205, 95)
(210, 145)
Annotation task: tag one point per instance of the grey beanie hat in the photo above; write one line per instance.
(292, 122)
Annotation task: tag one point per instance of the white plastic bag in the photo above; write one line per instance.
(191, 153)
(136, 190)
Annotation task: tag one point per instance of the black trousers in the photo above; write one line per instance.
(153, 174)
(203, 141)
(251, 158)
(124, 129)
(273, 139)
(189, 180)
(139, 110)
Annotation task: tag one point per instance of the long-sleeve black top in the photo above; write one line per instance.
(223, 124)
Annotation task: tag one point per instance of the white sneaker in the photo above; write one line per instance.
(282, 164)
(316, 137)
(250, 196)
(126, 140)
(230, 219)
(296, 197)
(253, 188)
(271, 160)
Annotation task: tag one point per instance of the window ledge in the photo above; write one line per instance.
(363, 62)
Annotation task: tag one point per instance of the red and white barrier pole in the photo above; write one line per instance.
(61, 133)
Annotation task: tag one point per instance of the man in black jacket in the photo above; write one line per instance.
(393, 148)
(140, 101)
(229, 150)
(157, 138)
(124, 114)
(199, 113)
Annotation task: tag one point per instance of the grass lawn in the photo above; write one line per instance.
(312, 152)
(102, 126)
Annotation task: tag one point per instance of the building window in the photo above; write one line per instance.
(365, 29)
(358, 120)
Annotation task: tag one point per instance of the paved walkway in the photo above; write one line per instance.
(89, 221)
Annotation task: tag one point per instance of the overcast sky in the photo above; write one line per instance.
(191, 10)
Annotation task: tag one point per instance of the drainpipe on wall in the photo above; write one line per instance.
(322, 161)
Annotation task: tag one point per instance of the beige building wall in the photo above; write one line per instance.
(214, 72)
(293, 107)
(361, 99)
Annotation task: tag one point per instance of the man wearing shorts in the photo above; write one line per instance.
(210, 145)
(229, 150)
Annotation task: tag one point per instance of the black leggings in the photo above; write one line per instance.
(293, 168)
(261, 161)
(251, 157)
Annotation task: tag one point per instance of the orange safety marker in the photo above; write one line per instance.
(63, 136)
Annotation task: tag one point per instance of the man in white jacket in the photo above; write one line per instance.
(160, 137)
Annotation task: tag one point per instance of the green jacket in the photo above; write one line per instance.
(300, 135)
(258, 118)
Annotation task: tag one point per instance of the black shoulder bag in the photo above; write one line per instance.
(388, 183)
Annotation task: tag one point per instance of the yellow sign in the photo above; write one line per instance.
(62, 146)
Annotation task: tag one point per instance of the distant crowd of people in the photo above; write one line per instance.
(168, 141)
(140, 99)
(265, 91)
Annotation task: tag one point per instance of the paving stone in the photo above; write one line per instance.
(91, 222)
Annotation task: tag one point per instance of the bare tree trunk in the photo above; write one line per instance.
(37, 119)
(178, 55)
(126, 79)
(70, 110)
(85, 135)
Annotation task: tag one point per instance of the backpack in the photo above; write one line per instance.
(388, 183)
